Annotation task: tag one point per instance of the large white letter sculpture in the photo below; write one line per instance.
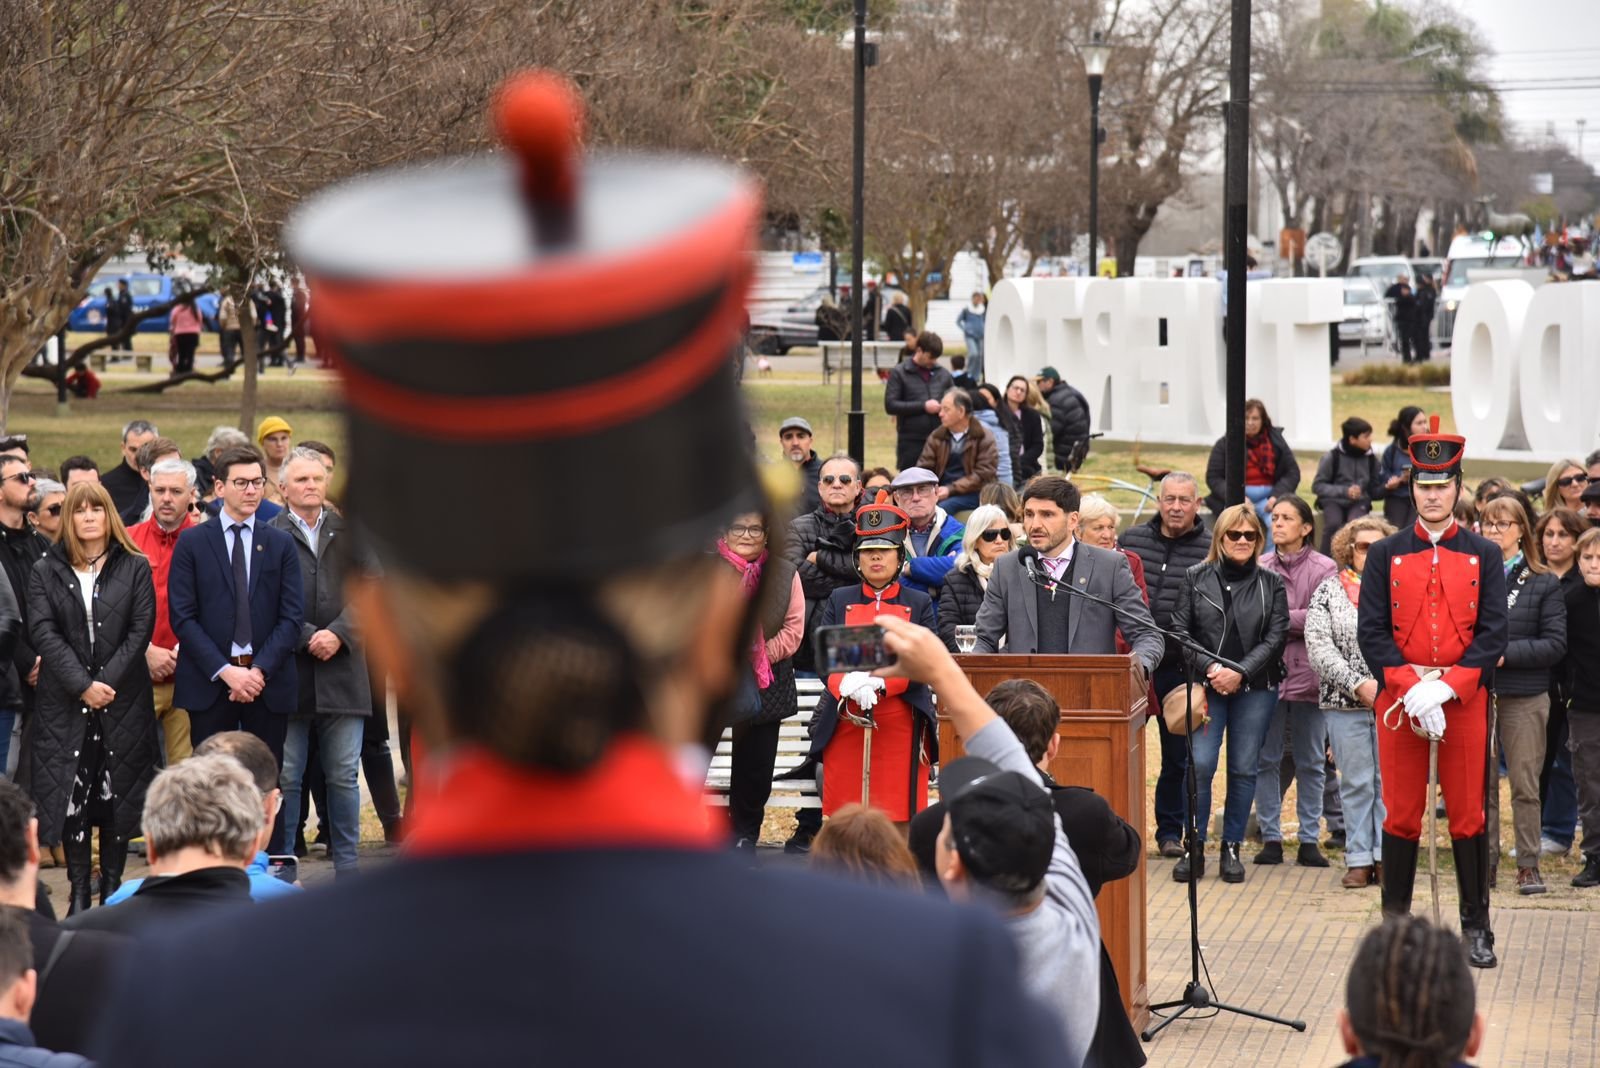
(1524, 375)
(1524, 371)
(1104, 336)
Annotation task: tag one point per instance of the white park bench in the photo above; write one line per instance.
(792, 748)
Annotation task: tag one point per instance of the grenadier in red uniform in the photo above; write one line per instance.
(1442, 607)
(904, 732)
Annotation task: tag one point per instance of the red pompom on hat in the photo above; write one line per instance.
(538, 115)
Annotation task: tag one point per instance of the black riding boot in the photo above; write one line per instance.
(113, 858)
(1399, 873)
(80, 866)
(1472, 881)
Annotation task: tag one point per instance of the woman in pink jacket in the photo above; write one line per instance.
(184, 324)
(769, 696)
(1299, 711)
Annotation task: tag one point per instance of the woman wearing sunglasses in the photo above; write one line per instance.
(1239, 611)
(1564, 485)
(47, 517)
(988, 537)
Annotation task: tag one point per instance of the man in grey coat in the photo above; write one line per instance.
(335, 694)
(1034, 616)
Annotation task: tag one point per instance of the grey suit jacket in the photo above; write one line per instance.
(1011, 610)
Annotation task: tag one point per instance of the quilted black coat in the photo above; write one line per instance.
(125, 616)
(959, 600)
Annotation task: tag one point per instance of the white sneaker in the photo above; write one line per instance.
(1551, 848)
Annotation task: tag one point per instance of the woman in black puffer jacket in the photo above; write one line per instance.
(91, 611)
(988, 537)
(1537, 642)
(1240, 612)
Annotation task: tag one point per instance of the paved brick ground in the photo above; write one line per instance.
(1281, 943)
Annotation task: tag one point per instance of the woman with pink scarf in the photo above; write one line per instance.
(768, 697)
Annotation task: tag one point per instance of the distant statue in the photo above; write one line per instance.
(1515, 225)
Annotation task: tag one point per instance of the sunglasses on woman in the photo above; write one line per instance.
(1572, 480)
(54, 509)
(1004, 534)
(1241, 535)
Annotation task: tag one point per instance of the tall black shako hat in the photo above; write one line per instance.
(507, 322)
(880, 525)
(1435, 457)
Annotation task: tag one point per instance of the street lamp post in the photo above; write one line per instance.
(1095, 55)
(865, 56)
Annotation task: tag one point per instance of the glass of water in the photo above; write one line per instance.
(966, 638)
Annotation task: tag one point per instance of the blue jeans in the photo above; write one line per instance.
(1243, 717)
(339, 749)
(960, 502)
(975, 356)
(1556, 785)
(1257, 495)
(1172, 793)
(1308, 740)
(1354, 735)
(8, 720)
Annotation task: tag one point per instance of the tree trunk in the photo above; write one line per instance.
(247, 327)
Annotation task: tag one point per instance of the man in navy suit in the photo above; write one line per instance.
(235, 604)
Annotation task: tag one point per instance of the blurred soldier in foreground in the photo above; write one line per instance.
(563, 900)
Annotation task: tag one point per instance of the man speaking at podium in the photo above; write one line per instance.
(1054, 595)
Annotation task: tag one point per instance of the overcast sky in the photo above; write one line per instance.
(1550, 48)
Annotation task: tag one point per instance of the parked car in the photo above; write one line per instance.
(1363, 312)
(148, 290)
(1469, 253)
(774, 331)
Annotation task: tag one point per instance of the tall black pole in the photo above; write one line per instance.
(1235, 231)
(1094, 174)
(857, 418)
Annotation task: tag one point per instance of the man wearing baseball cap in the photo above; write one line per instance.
(794, 434)
(1590, 503)
(1002, 847)
(1069, 419)
(495, 318)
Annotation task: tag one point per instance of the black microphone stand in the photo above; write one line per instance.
(1197, 996)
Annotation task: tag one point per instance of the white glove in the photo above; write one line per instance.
(1430, 721)
(862, 688)
(1425, 705)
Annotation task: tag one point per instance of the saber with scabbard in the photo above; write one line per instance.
(1433, 792)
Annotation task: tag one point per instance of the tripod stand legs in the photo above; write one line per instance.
(1195, 995)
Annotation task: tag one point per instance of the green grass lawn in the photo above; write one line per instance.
(309, 400)
(187, 413)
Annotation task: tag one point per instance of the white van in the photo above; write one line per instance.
(1470, 253)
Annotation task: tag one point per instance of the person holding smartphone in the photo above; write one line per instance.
(899, 713)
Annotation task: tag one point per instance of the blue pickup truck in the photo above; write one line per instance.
(147, 290)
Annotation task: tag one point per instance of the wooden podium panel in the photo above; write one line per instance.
(1102, 747)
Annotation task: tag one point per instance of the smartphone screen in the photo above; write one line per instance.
(842, 649)
(285, 867)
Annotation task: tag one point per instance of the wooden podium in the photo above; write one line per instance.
(1102, 747)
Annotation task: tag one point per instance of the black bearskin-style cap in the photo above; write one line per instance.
(526, 329)
(1435, 457)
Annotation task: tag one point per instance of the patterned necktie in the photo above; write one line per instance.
(241, 589)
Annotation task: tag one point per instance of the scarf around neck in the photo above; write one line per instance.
(750, 581)
(1350, 578)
